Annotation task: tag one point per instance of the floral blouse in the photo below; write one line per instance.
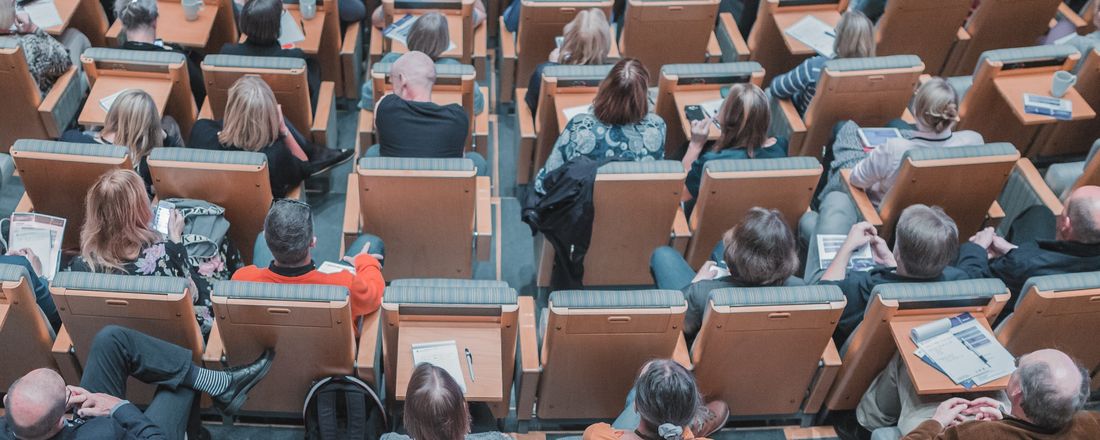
(47, 58)
(586, 135)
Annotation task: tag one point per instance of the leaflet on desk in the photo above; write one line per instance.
(961, 348)
(1061, 109)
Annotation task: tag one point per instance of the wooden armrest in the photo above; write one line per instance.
(823, 381)
(525, 120)
(366, 133)
(49, 102)
(727, 21)
(350, 60)
(680, 353)
(1071, 16)
(206, 111)
(507, 42)
(375, 49)
(863, 203)
(962, 35)
(788, 123)
(790, 113)
(25, 204)
(368, 348)
(321, 130)
(530, 368)
(483, 221)
(681, 232)
(65, 357)
(908, 117)
(351, 206)
(214, 354)
(995, 211)
(1035, 181)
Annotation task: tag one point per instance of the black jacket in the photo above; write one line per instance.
(127, 423)
(564, 214)
(1041, 257)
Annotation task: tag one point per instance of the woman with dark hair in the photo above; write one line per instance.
(664, 404)
(759, 251)
(435, 409)
(620, 123)
(259, 23)
(139, 26)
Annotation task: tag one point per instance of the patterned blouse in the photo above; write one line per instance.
(47, 58)
(588, 136)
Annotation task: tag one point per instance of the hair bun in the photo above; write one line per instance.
(669, 431)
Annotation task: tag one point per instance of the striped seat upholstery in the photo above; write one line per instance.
(993, 149)
(247, 62)
(450, 295)
(1026, 54)
(705, 71)
(1061, 283)
(962, 290)
(613, 299)
(56, 147)
(873, 63)
(156, 57)
(445, 70)
(417, 164)
(12, 272)
(89, 281)
(208, 156)
(279, 292)
(448, 282)
(644, 167)
(577, 72)
(746, 165)
(772, 296)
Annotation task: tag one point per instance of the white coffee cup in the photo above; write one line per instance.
(191, 9)
(1063, 80)
(308, 8)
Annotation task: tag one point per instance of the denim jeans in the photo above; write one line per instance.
(261, 254)
(671, 271)
(836, 215)
(629, 419)
(479, 161)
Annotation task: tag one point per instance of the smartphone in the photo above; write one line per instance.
(163, 214)
(694, 112)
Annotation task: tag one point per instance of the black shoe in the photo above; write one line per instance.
(326, 158)
(241, 381)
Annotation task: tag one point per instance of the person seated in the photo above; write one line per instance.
(1047, 245)
(743, 119)
(139, 26)
(926, 242)
(284, 249)
(47, 58)
(620, 124)
(586, 41)
(664, 404)
(132, 122)
(855, 38)
(37, 403)
(428, 35)
(409, 124)
(759, 251)
(435, 409)
(26, 258)
(378, 17)
(936, 109)
(254, 122)
(1047, 392)
(259, 22)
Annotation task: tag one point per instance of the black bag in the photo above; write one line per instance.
(343, 407)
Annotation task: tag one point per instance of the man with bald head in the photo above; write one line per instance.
(1075, 247)
(409, 124)
(1048, 391)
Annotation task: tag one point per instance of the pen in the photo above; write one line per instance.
(470, 363)
(965, 343)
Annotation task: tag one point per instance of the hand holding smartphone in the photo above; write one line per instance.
(162, 216)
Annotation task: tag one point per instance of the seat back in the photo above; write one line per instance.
(235, 180)
(19, 117)
(58, 175)
(423, 209)
(691, 21)
(589, 331)
(286, 77)
(459, 14)
(579, 84)
(309, 327)
(766, 42)
(998, 24)
(706, 79)
(730, 188)
(452, 311)
(925, 28)
(1074, 138)
(539, 22)
(869, 91)
(454, 84)
(635, 204)
(747, 324)
(1052, 312)
(25, 335)
(171, 66)
(871, 345)
(983, 108)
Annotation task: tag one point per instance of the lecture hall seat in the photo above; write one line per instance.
(26, 337)
(925, 28)
(695, 82)
(562, 86)
(997, 24)
(687, 27)
(28, 114)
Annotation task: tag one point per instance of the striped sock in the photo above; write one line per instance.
(209, 381)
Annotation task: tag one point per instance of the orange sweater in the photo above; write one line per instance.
(365, 286)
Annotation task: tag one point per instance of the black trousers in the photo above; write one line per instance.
(120, 353)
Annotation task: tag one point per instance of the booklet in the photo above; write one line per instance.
(813, 32)
(962, 349)
(1048, 106)
(829, 244)
(574, 111)
(330, 267)
(399, 31)
(41, 234)
(43, 13)
(289, 31)
(872, 138)
(443, 354)
(107, 101)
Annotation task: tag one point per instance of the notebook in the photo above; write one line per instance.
(43, 13)
(829, 244)
(41, 234)
(443, 354)
(813, 32)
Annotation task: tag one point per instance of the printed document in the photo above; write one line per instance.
(443, 354)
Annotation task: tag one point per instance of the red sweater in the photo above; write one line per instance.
(365, 286)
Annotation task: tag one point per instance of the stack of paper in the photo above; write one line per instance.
(813, 32)
(443, 354)
(43, 14)
(289, 31)
(41, 234)
(1048, 106)
(574, 111)
(963, 350)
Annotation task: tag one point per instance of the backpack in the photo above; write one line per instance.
(204, 230)
(343, 407)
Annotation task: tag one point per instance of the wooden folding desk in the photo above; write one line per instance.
(926, 379)
(1013, 87)
(172, 27)
(65, 9)
(684, 98)
(106, 85)
(483, 341)
(785, 20)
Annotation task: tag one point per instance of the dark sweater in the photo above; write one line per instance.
(1042, 257)
(284, 170)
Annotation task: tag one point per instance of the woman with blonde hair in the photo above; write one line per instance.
(585, 41)
(132, 122)
(254, 122)
(855, 38)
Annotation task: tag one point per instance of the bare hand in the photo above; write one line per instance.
(999, 247)
(881, 252)
(97, 405)
(705, 272)
(949, 411)
(36, 263)
(23, 23)
(984, 237)
(364, 250)
(175, 226)
(860, 234)
(700, 130)
(985, 408)
(77, 396)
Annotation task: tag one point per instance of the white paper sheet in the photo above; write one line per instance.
(289, 30)
(41, 234)
(43, 13)
(330, 267)
(109, 100)
(813, 32)
(829, 244)
(443, 354)
(574, 111)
